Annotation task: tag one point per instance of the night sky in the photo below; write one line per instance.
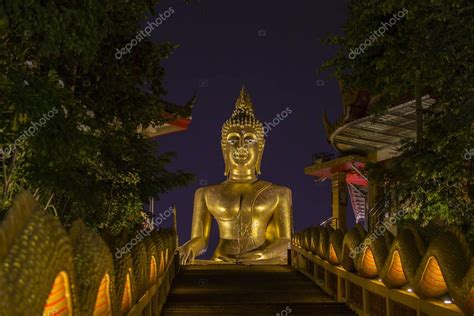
(273, 48)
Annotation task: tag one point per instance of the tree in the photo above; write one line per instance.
(424, 46)
(70, 109)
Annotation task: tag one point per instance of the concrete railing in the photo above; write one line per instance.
(48, 270)
(367, 297)
(157, 292)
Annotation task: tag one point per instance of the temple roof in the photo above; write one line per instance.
(357, 131)
(347, 164)
(178, 119)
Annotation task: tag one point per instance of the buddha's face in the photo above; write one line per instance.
(242, 151)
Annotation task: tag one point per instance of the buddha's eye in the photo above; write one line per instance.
(232, 141)
(250, 141)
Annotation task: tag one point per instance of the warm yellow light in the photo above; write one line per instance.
(432, 280)
(102, 302)
(153, 272)
(59, 299)
(127, 294)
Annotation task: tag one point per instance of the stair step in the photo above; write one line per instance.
(247, 290)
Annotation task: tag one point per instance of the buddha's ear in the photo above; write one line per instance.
(226, 165)
(259, 158)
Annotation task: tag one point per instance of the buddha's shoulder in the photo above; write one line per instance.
(269, 188)
(275, 188)
(211, 188)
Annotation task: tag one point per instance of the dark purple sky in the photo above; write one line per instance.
(273, 48)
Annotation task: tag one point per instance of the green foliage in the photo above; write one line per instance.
(431, 178)
(433, 36)
(57, 59)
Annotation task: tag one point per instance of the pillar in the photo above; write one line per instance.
(373, 198)
(339, 198)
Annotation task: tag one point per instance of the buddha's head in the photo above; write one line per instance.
(242, 140)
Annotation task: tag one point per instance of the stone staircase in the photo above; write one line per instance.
(247, 290)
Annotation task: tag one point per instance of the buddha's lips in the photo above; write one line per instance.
(240, 154)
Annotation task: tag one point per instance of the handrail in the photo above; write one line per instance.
(146, 298)
(329, 221)
(354, 167)
(377, 209)
(356, 189)
(374, 208)
(342, 284)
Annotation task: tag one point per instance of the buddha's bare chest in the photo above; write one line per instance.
(229, 205)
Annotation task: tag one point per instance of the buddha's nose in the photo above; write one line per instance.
(240, 152)
(243, 146)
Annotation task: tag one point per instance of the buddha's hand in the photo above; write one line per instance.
(186, 254)
(226, 259)
(253, 256)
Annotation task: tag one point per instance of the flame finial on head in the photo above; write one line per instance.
(244, 103)
(243, 114)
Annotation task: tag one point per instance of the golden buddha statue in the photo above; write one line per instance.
(254, 216)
